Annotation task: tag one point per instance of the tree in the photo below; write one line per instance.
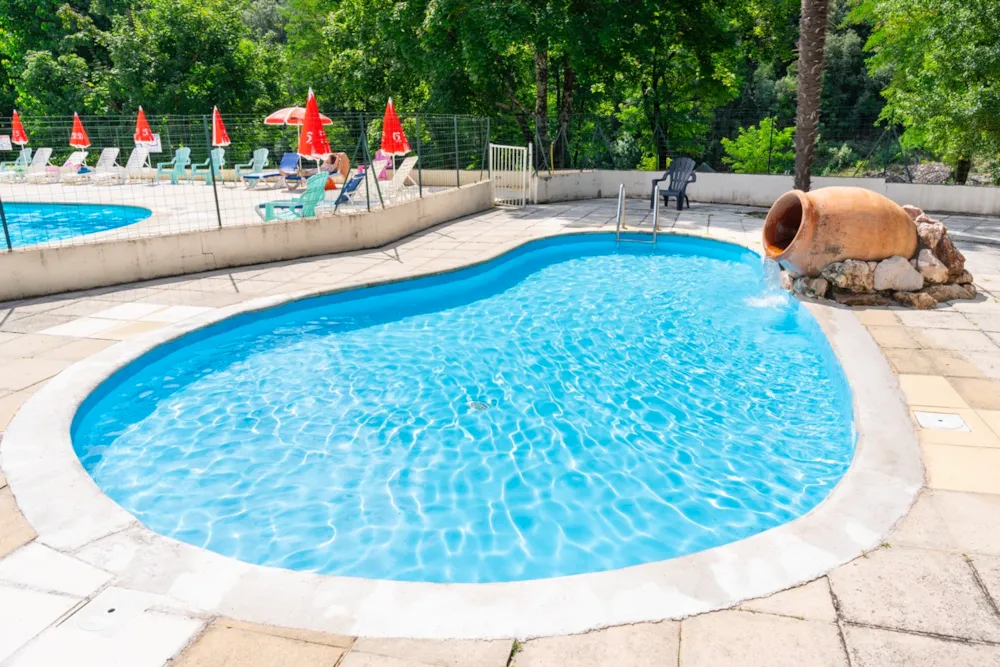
(812, 40)
(184, 56)
(760, 150)
(942, 62)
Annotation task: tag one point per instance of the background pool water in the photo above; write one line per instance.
(567, 408)
(34, 222)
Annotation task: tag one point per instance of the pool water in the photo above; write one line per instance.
(568, 408)
(30, 223)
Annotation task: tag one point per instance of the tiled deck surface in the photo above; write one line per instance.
(928, 596)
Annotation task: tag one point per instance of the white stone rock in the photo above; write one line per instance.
(931, 268)
(897, 275)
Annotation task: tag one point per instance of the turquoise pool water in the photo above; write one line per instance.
(33, 222)
(566, 408)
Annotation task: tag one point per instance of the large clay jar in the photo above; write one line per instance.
(805, 231)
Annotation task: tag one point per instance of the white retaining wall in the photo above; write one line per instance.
(763, 190)
(38, 271)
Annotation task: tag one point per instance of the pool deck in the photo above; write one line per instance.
(928, 596)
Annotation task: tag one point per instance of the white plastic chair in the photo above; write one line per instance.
(105, 163)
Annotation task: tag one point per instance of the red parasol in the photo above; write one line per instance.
(292, 116)
(219, 135)
(78, 136)
(143, 135)
(393, 139)
(17, 133)
(312, 137)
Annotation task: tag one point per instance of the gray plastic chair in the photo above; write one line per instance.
(681, 173)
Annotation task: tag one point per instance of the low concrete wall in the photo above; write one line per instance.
(762, 190)
(38, 271)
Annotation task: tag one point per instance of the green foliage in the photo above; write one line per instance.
(756, 147)
(941, 61)
(184, 56)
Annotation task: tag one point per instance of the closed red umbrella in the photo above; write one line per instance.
(17, 133)
(219, 135)
(312, 138)
(143, 135)
(78, 136)
(393, 139)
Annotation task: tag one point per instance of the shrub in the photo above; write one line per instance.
(756, 147)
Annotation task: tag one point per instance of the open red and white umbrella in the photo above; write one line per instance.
(143, 135)
(219, 135)
(312, 137)
(292, 116)
(78, 136)
(17, 133)
(393, 139)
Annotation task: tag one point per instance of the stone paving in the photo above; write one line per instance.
(928, 596)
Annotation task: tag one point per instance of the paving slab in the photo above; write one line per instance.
(956, 468)
(872, 647)
(359, 659)
(15, 531)
(641, 645)
(930, 390)
(962, 522)
(810, 601)
(917, 590)
(37, 566)
(745, 639)
(222, 646)
(446, 653)
(343, 641)
(24, 614)
(977, 392)
(988, 569)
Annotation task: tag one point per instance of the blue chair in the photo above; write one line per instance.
(287, 172)
(303, 206)
(256, 166)
(218, 157)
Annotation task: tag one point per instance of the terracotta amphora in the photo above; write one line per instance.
(805, 231)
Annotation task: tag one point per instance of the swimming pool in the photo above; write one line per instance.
(37, 222)
(566, 408)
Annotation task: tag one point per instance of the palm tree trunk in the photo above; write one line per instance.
(812, 40)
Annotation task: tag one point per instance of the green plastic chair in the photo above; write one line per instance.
(218, 156)
(303, 206)
(256, 166)
(22, 161)
(178, 166)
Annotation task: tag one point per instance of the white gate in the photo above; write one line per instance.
(510, 169)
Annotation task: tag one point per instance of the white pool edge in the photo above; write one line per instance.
(71, 514)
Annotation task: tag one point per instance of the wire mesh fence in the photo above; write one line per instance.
(183, 183)
(851, 143)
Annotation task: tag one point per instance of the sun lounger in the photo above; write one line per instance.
(256, 165)
(133, 169)
(52, 174)
(106, 162)
(397, 186)
(178, 166)
(22, 161)
(39, 161)
(303, 206)
(286, 174)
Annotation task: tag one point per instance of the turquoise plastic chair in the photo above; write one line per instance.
(178, 166)
(22, 161)
(255, 165)
(218, 156)
(303, 206)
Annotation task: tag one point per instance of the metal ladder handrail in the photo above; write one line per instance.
(621, 216)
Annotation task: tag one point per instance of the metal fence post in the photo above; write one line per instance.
(486, 150)
(458, 177)
(420, 170)
(6, 231)
(211, 170)
(369, 170)
(770, 143)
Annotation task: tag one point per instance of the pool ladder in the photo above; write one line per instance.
(620, 217)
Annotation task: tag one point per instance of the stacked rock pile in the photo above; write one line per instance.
(936, 273)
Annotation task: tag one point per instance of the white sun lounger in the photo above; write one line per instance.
(133, 169)
(51, 174)
(39, 162)
(105, 163)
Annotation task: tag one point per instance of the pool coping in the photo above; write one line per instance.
(71, 514)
